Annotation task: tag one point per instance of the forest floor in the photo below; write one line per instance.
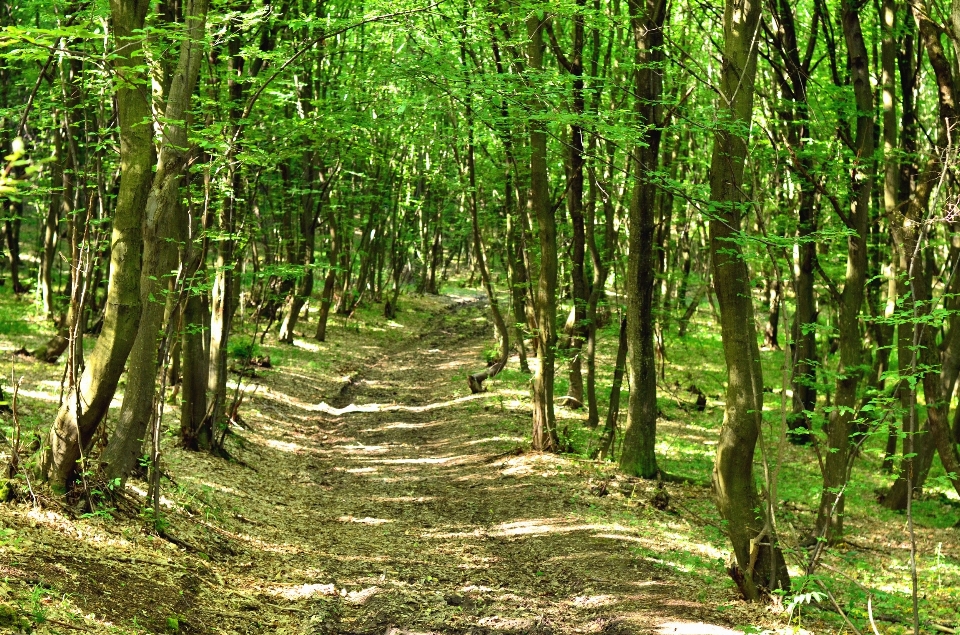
(370, 493)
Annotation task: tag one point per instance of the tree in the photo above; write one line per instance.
(92, 392)
(639, 442)
(758, 564)
(164, 218)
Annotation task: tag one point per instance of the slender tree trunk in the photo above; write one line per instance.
(914, 463)
(759, 561)
(308, 236)
(12, 232)
(830, 512)
(640, 438)
(545, 437)
(51, 226)
(605, 447)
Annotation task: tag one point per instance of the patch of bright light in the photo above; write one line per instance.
(284, 446)
(592, 601)
(361, 596)
(309, 346)
(364, 521)
(301, 591)
(497, 438)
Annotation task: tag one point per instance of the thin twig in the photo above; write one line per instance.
(837, 607)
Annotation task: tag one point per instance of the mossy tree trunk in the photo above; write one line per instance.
(759, 561)
(82, 412)
(164, 219)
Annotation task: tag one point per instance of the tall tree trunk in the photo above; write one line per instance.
(223, 306)
(830, 512)
(164, 217)
(916, 462)
(51, 225)
(759, 561)
(79, 417)
(475, 381)
(545, 437)
(195, 431)
(640, 439)
(601, 257)
(575, 162)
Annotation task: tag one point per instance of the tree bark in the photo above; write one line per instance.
(640, 438)
(79, 417)
(545, 437)
(759, 561)
(164, 218)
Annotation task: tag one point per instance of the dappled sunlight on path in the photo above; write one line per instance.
(375, 495)
(420, 512)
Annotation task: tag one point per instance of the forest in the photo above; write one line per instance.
(479, 316)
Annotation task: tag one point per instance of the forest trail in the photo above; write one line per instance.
(394, 502)
(421, 517)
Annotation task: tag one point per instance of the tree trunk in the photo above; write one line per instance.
(613, 412)
(640, 438)
(308, 236)
(476, 380)
(12, 231)
(830, 513)
(759, 561)
(195, 431)
(51, 226)
(79, 417)
(545, 437)
(164, 217)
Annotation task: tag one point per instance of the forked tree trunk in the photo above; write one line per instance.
(79, 417)
(639, 441)
(759, 561)
(164, 219)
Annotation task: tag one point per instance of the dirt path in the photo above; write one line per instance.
(394, 502)
(421, 513)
